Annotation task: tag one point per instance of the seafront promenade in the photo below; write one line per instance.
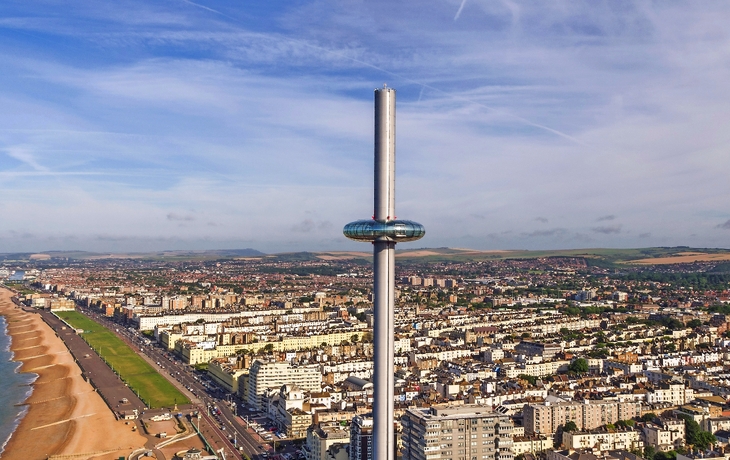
(66, 416)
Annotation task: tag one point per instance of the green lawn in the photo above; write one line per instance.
(153, 388)
(20, 287)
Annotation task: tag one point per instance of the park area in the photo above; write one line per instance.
(152, 388)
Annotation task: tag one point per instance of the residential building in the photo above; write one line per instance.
(603, 440)
(588, 415)
(666, 436)
(321, 437)
(544, 350)
(531, 444)
(265, 375)
(468, 432)
(361, 438)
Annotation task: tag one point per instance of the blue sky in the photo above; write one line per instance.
(172, 124)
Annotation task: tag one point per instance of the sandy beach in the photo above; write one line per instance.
(66, 417)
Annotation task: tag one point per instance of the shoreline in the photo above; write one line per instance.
(22, 408)
(64, 415)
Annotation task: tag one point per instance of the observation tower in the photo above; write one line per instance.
(384, 231)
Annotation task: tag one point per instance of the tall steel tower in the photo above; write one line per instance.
(384, 231)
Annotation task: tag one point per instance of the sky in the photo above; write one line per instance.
(218, 124)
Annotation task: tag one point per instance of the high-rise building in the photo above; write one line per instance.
(469, 432)
(361, 438)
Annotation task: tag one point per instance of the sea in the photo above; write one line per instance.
(19, 275)
(14, 388)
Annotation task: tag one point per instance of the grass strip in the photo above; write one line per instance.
(155, 390)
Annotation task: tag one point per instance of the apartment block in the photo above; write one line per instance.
(361, 438)
(320, 438)
(588, 415)
(469, 432)
(264, 375)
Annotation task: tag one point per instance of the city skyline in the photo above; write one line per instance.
(182, 125)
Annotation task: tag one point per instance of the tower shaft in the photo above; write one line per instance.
(384, 278)
(384, 155)
(384, 349)
(384, 231)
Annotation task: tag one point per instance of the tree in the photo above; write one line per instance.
(695, 436)
(694, 323)
(704, 439)
(648, 417)
(367, 337)
(570, 426)
(269, 347)
(531, 379)
(649, 452)
(354, 338)
(671, 455)
(691, 429)
(579, 366)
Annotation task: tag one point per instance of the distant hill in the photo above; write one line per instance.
(636, 256)
(161, 255)
(596, 256)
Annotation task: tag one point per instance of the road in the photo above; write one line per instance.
(224, 427)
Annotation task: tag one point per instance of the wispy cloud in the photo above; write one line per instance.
(25, 156)
(461, 8)
(605, 218)
(725, 225)
(607, 230)
(309, 225)
(547, 233)
(180, 217)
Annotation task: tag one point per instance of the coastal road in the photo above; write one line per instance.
(224, 426)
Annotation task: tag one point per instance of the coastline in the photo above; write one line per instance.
(64, 416)
(26, 379)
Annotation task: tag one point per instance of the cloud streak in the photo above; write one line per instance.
(458, 12)
(180, 217)
(607, 230)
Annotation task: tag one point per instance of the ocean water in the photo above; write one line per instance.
(17, 276)
(14, 388)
